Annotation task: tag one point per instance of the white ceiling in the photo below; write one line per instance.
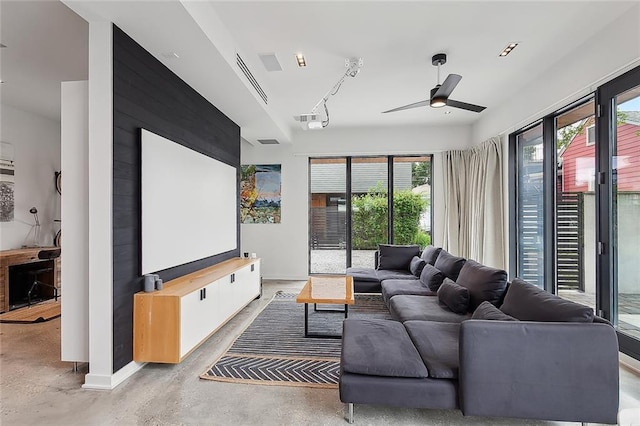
(395, 39)
(46, 43)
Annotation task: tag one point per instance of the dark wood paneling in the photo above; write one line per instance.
(148, 95)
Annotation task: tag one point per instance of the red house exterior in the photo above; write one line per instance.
(578, 159)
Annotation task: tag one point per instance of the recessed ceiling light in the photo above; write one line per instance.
(447, 112)
(302, 62)
(171, 55)
(508, 49)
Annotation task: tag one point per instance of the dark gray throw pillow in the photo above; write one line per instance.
(449, 264)
(484, 283)
(486, 311)
(396, 257)
(431, 277)
(416, 266)
(430, 254)
(527, 302)
(455, 297)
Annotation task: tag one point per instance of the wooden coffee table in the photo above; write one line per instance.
(326, 289)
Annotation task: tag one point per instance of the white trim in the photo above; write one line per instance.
(586, 135)
(108, 382)
(630, 363)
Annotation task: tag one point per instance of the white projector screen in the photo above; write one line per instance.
(189, 205)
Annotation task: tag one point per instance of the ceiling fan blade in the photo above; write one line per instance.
(464, 105)
(414, 105)
(448, 85)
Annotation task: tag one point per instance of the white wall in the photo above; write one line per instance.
(36, 145)
(284, 247)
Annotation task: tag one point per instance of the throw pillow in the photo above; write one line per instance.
(430, 254)
(449, 264)
(527, 302)
(431, 277)
(486, 311)
(483, 283)
(396, 257)
(416, 266)
(455, 297)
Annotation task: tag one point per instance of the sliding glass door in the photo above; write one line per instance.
(576, 204)
(356, 203)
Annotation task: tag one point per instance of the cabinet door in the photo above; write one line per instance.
(229, 298)
(199, 316)
(249, 282)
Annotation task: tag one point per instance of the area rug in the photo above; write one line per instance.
(40, 312)
(272, 350)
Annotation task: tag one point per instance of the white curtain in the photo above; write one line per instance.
(474, 203)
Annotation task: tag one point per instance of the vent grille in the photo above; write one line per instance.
(245, 70)
(269, 141)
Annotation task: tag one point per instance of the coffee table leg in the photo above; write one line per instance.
(306, 320)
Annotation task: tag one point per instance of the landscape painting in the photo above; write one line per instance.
(7, 198)
(260, 193)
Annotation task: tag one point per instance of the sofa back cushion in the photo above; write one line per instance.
(430, 254)
(527, 302)
(486, 311)
(396, 257)
(449, 264)
(483, 282)
(454, 296)
(431, 277)
(416, 266)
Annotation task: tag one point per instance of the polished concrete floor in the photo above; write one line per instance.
(37, 389)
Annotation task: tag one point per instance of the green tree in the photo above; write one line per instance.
(421, 173)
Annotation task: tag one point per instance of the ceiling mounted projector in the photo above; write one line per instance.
(309, 121)
(313, 120)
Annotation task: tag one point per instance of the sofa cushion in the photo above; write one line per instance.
(483, 282)
(416, 266)
(385, 274)
(408, 307)
(397, 257)
(454, 296)
(379, 348)
(430, 254)
(486, 311)
(527, 302)
(449, 264)
(392, 288)
(363, 274)
(431, 277)
(437, 344)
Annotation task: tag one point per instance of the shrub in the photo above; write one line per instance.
(370, 219)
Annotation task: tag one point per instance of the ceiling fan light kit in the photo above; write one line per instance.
(439, 95)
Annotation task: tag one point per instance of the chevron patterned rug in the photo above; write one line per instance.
(272, 350)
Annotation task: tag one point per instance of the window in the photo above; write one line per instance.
(591, 135)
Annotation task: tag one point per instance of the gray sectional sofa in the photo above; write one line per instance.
(481, 345)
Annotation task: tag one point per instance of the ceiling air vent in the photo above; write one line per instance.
(251, 78)
(269, 141)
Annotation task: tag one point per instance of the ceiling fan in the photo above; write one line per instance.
(440, 94)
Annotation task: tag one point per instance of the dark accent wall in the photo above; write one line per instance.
(146, 94)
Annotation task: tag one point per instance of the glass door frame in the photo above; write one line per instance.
(606, 265)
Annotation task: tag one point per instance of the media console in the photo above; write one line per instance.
(170, 323)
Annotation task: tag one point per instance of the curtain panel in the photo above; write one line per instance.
(474, 203)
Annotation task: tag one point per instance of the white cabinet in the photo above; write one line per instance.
(170, 323)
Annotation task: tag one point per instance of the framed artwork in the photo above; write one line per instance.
(7, 172)
(260, 193)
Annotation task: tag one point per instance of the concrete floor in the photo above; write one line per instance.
(36, 389)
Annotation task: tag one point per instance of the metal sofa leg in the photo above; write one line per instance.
(350, 413)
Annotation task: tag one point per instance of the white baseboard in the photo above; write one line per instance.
(630, 363)
(108, 382)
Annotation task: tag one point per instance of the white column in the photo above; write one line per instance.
(100, 156)
(75, 221)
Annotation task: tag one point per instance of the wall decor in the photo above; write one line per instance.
(7, 173)
(260, 193)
